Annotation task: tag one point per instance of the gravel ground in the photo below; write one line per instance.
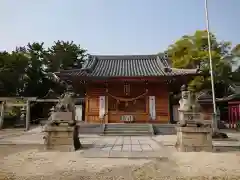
(27, 162)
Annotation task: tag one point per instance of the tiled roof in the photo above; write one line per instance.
(205, 95)
(235, 88)
(126, 66)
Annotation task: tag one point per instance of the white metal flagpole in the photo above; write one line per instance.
(215, 126)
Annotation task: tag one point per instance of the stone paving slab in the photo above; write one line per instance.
(7, 133)
(124, 146)
(121, 154)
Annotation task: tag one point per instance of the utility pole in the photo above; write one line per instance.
(214, 122)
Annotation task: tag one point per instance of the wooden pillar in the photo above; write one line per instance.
(86, 109)
(148, 120)
(2, 114)
(106, 103)
(27, 115)
(170, 109)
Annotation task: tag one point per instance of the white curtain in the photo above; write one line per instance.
(152, 107)
(78, 112)
(101, 106)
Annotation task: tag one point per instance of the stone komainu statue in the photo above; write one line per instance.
(189, 109)
(65, 103)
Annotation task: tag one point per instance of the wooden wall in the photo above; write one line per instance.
(159, 90)
(161, 93)
(93, 91)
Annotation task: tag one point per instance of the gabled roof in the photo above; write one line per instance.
(205, 96)
(126, 66)
(235, 88)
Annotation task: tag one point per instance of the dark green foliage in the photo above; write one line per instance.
(191, 51)
(27, 70)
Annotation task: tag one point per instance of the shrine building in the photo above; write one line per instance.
(127, 88)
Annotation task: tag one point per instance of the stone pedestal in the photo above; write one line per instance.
(191, 139)
(59, 138)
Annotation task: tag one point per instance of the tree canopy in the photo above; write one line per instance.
(26, 70)
(191, 51)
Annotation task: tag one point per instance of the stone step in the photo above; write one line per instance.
(128, 134)
(127, 125)
(128, 129)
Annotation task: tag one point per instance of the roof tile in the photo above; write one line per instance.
(126, 66)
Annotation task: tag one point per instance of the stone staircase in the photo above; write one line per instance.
(128, 129)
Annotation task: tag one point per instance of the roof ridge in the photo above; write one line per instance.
(123, 57)
(126, 55)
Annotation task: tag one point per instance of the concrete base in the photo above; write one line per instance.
(59, 138)
(196, 139)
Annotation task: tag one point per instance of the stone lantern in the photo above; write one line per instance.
(22, 119)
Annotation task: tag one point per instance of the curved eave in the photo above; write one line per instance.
(84, 75)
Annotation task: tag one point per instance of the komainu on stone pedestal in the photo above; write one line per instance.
(192, 133)
(61, 133)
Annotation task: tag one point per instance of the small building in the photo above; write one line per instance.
(233, 105)
(228, 106)
(127, 88)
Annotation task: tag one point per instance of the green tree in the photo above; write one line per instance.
(36, 84)
(65, 55)
(191, 51)
(235, 56)
(27, 71)
(236, 51)
(12, 72)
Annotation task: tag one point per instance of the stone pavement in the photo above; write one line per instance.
(11, 132)
(122, 146)
(19, 136)
(98, 146)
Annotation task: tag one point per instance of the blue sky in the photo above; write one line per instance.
(114, 26)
